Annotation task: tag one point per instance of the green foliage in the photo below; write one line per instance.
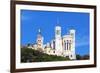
(78, 57)
(84, 57)
(30, 55)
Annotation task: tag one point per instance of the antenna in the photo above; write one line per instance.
(57, 21)
(39, 30)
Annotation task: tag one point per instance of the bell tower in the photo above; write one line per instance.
(39, 41)
(58, 40)
(72, 33)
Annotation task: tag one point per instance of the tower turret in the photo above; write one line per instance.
(72, 33)
(58, 32)
(39, 41)
(58, 40)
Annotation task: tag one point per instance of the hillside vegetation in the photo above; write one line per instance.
(30, 55)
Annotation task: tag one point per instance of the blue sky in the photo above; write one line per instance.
(32, 20)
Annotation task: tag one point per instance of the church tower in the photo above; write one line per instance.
(58, 41)
(39, 41)
(72, 33)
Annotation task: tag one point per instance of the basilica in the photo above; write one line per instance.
(60, 45)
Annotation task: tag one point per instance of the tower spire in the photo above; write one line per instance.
(57, 21)
(39, 31)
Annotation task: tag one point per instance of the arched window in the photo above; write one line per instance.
(67, 45)
(53, 44)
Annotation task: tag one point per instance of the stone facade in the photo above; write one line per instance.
(60, 45)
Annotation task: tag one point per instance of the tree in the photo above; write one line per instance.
(31, 55)
(78, 57)
(26, 55)
(85, 57)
